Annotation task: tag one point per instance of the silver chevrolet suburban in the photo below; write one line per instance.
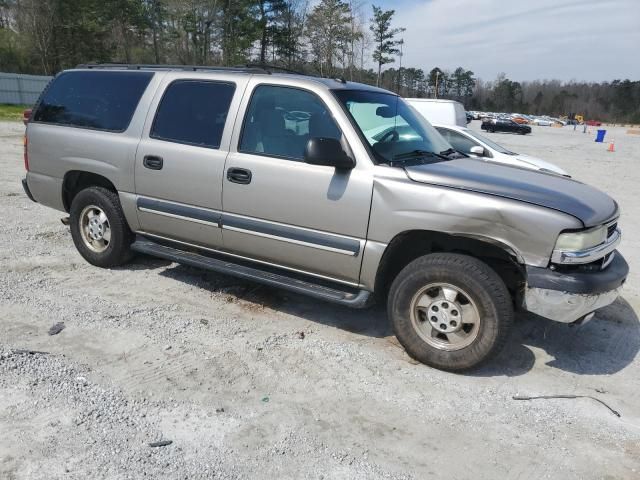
(323, 187)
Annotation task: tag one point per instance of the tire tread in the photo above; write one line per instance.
(476, 272)
(122, 237)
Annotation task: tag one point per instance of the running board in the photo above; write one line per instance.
(294, 282)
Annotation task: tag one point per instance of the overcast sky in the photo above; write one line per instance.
(591, 40)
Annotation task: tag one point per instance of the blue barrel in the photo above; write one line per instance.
(600, 136)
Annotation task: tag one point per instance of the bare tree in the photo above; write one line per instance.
(36, 18)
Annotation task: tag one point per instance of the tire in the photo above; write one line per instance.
(477, 288)
(87, 206)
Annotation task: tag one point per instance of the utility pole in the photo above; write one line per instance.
(437, 77)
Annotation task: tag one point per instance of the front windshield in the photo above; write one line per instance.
(491, 144)
(392, 128)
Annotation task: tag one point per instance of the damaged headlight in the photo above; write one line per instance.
(576, 241)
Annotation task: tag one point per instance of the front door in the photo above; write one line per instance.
(283, 211)
(180, 159)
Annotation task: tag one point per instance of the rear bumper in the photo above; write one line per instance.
(44, 189)
(25, 186)
(568, 297)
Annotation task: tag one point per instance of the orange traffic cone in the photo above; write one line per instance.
(612, 147)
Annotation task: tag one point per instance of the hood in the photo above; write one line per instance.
(588, 204)
(539, 163)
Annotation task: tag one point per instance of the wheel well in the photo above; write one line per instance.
(75, 181)
(408, 246)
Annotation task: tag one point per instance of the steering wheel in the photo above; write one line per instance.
(390, 136)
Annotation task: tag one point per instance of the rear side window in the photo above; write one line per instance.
(193, 112)
(97, 100)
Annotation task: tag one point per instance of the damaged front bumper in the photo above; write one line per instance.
(569, 297)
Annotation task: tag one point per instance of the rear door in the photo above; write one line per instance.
(180, 159)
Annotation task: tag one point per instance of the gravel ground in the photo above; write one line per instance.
(251, 382)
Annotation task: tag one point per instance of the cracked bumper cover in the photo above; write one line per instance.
(567, 297)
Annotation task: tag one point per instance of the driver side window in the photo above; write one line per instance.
(281, 120)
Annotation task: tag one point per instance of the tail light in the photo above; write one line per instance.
(26, 154)
(26, 115)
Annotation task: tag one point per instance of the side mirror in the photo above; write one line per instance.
(477, 150)
(327, 152)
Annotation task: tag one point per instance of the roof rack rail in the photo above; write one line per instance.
(269, 68)
(193, 68)
(260, 68)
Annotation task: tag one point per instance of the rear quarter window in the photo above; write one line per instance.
(97, 100)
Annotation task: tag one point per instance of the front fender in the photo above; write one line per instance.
(526, 231)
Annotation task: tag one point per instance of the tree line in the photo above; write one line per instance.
(350, 39)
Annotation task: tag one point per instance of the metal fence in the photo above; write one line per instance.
(16, 89)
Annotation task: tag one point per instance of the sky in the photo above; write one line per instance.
(591, 40)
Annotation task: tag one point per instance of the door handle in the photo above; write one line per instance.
(152, 162)
(239, 175)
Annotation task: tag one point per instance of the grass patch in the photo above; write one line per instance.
(12, 112)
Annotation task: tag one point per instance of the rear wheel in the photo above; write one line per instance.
(450, 311)
(98, 227)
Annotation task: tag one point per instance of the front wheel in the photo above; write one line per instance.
(99, 229)
(450, 311)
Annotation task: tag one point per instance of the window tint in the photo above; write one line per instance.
(97, 99)
(281, 120)
(193, 112)
(457, 140)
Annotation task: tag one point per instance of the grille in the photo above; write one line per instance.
(611, 229)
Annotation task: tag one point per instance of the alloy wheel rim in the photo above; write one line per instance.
(95, 229)
(445, 316)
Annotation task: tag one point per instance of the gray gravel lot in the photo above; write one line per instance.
(251, 382)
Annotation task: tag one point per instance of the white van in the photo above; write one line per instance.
(441, 112)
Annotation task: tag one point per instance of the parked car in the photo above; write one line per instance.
(519, 119)
(542, 122)
(448, 112)
(475, 145)
(274, 178)
(505, 125)
(593, 123)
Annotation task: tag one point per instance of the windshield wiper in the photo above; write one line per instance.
(451, 153)
(415, 154)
